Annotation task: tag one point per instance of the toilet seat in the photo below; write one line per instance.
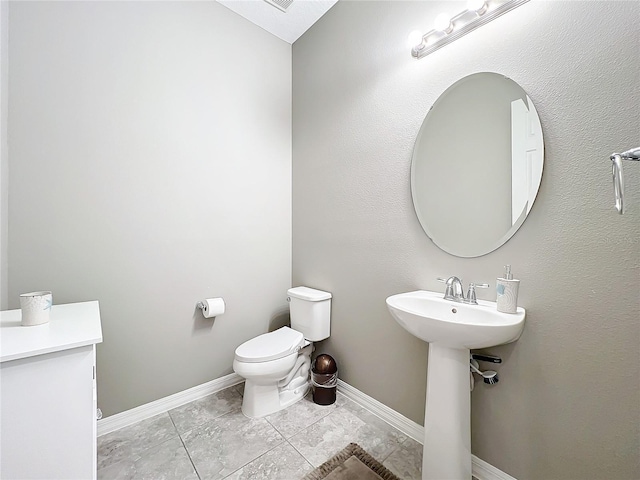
(270, 346)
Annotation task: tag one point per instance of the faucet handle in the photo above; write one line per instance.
(471, 294)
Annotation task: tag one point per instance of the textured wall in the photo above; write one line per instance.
(567, 403)
(150, 167)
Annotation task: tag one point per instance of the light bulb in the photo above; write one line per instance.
(478, 6)
(443, 23)
(414, 40)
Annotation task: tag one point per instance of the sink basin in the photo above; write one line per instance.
(433, 319)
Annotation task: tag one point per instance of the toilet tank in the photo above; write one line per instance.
(310, 312)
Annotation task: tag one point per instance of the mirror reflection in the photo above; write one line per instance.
(477, 164)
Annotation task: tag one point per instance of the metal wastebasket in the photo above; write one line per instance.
(324, 378)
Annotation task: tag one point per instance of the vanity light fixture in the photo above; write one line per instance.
(443, 23)
(478, 6)
(447, 29)
(414, 38)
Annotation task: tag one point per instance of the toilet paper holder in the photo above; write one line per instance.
(211, 307)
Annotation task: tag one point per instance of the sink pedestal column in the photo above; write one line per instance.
(447, 422)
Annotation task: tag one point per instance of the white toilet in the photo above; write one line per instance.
(276, 365)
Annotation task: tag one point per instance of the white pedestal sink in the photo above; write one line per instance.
(452, 329)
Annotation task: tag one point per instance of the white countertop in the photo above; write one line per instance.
(71, 325)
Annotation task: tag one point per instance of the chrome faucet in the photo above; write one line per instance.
(455, 292)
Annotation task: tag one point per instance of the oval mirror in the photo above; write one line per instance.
(477, 164)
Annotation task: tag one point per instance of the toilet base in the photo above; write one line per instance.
(262, 400)
(264, 396)
(266, 393)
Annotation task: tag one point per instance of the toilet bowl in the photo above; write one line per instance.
(276, 368)
(276, 365)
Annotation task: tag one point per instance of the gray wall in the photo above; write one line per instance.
(567, 403)
(150, 167)
(4, 154)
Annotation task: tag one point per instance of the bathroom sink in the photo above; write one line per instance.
(455, 325)
(452, 329)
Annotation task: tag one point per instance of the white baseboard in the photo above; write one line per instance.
(393, 418)
(485, 471)
(148, 410)
(479, 468)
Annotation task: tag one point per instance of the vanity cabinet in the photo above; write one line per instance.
(48, 396)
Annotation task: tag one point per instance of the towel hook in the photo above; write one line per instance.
(618, 179)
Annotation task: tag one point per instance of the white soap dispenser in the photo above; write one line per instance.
(507, 290)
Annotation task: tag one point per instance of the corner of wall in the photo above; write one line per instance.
(4, 151)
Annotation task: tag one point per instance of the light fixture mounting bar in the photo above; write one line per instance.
(434, 39)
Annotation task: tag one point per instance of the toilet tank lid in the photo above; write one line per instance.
(309, 294)
(270, 346)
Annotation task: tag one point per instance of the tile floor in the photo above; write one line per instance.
(211, 439)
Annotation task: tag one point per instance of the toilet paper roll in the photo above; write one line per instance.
(35, 307)
(212, 307)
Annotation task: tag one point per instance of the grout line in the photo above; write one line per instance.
(303, 428)
(275, 428)
(208, 421)
(259, 456)
(185, 449)
(382, 460)
(397, 445)
(300, 453)
(344, 405)
(142, 454)
(284, 440)
(189, 457)
(333, 411)
(144, 451)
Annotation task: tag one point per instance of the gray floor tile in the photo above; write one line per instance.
(299, 416)
(229, 442)
(167, 461)
(223, 443)
(375, 422)
(205, 409)
(130, 442)
(281, 463)
(240, 388)
(335, 431)
(366, 416)
(406, 460)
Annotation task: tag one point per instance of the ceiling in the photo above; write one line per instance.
(288, 25)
